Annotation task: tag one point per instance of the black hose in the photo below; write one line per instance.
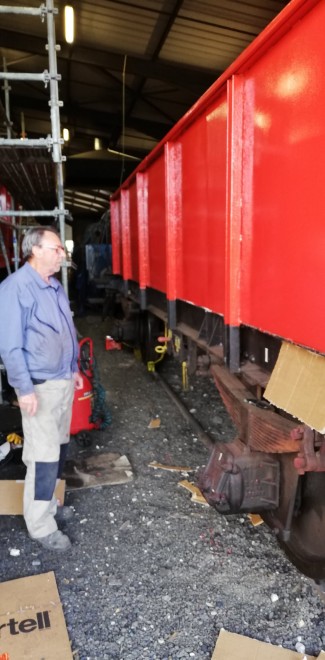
(100, 412)
(101, 415)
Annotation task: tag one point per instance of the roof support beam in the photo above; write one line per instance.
(196, 80)
(100, 122)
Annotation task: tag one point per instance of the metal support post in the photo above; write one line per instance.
(55, 124)
(7, 88)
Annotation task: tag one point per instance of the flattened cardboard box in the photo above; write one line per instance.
(32, 624)
(11, 496)
(231, 646)
(297, 385)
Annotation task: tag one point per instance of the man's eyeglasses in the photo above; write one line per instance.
(59, 249)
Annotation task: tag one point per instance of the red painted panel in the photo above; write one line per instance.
(116, 237)
(143, 220)
(283, 265)
(204, 206)
(134, 237)
(173, 196)
(126, 234)
(234, 202)
(157, 230)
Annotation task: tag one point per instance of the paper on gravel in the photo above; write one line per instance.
(231, 646)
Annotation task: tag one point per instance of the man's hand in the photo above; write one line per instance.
(28, 402)
(78, 381)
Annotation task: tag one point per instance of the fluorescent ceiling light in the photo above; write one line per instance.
(98, 144)
(69, 24)
(69, 244)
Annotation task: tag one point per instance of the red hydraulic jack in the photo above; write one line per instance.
(82, 406)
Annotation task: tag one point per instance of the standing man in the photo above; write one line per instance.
(39, 348)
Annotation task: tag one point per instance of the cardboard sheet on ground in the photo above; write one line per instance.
(255, 519)
(197, 496)
(231, 646)
(154, 423)
(32, 623)
(297, 385)
(11, 497)
(171, 468)
(101, 470)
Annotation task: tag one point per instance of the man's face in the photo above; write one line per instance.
(49, 254)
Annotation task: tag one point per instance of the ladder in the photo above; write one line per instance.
(52, 142)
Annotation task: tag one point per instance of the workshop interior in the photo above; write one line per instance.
(173, 148)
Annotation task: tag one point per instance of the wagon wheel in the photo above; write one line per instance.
(300, 515)
(149, 329)
(306, 545)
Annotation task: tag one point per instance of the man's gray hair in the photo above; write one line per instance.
(34, 236)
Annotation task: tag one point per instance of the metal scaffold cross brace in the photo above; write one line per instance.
(52, 142)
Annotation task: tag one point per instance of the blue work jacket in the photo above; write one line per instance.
(37, 335)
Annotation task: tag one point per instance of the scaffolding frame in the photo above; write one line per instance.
(52, 142)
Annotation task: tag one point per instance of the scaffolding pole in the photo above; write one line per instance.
(55, 124)
(34, 214)
(7, 105)
(52, 142)
(32, 11)
(44, 77)
(42, 143)
(9, 131)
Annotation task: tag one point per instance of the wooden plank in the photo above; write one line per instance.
(260, 429)
(254, 374)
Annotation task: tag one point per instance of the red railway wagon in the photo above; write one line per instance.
(219, 234)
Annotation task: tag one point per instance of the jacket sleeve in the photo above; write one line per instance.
(12, 331)
(75, 366)
(65, 307)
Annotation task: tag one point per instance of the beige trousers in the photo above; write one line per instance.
(46, 437)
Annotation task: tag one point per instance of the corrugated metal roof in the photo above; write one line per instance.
(212, 34)
(30, 176)
(116, 24)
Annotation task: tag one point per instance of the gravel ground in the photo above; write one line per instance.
(153, 575)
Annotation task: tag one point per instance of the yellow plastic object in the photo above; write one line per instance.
(151, 366)
(177, 344)
(15, 439)
(160, 349)
(184, 376)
